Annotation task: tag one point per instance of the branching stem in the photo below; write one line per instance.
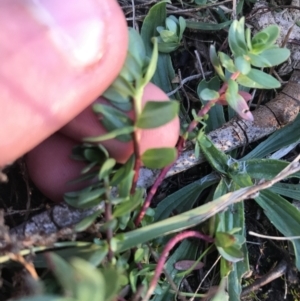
(164, 255)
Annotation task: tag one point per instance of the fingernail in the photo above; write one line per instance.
(76, 30)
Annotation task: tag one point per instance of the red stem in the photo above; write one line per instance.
(164, 255)
(138, 161)
(165, 170)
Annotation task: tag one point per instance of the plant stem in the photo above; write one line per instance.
(165, 170)
(108, 217)
(164, 255)
(137, 103)
(138, 161)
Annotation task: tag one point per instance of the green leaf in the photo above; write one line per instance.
(217, 159)
(208, 94)
(270, 57)
(111, 135)
(124, 87)
(283, 215)
(207, 26)
(136, 47)
(123, 172)
(216, 62)
(236, 101)
(152, 64)
(63, 273)
(113, 119)
(124, 186)
(106, 168)
(87, 222)
(240, 35)
(156, 113)
(184, 198)
(232, 253)
(131, 70)
(157, 158)
(288, 190)
(113, 281)
(242, 65)
(265, 38)
(221, 294)
(89, 282)
(266, 169)
(186, 250)
(258, 79)
(233, 39)
(279, 139)
(224, 240)
(113, 95)
(216, 113)
(126, 207)
(227, 62)
(85, 199)
(156, 17)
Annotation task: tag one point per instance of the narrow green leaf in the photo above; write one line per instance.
(279, 139)
(216, 113)
(136, 47)
(207, 26)
(184, 198)
(113, 119)
(227, 62)
(157, 158)
(236, 101)
(126, 207)
(156, 17)
(270, 57)
(113, 282)
(216, 62)
(152, 64)
(208, 94)
(283, 215)
(232, 253)
(85, 198)
(242, 65)
(288, 190)
(156, 113)
(87, 222)
(215, 157)
(232, 39)
(106, 168)
(266, 169)
(90, 283)
(122, 172)
(261, 79)
(111, 135)
(240, 34)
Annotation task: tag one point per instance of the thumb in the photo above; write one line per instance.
(56, 58)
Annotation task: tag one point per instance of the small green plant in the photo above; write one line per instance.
(134, 241)
(170, 36)
(259, 51)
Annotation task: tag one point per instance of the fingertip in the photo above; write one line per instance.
(41, 88)
(51, 168)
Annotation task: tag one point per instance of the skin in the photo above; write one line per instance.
(57, 57)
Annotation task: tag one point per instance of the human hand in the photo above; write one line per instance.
(46, 83)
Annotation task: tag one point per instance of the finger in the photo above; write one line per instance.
(51, 168)
(87, 124)
(56, 58)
